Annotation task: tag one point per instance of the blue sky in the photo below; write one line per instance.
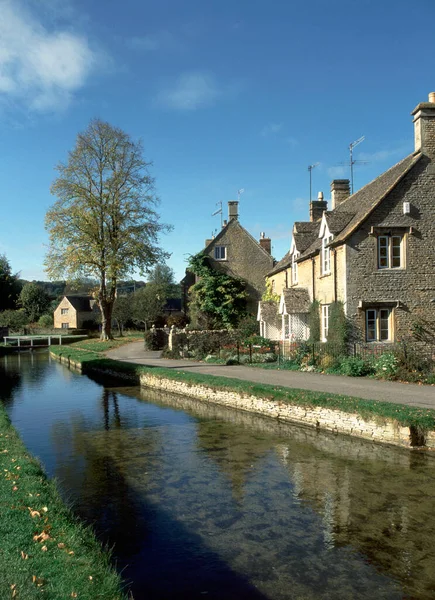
(225, 95)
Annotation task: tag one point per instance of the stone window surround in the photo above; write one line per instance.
(63, 311)
(378, 322)
(325, 268)
(391, 231)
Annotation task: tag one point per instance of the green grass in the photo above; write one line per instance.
(45, 552)
(423, 419)
(96, 345)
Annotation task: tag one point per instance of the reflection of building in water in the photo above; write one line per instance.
(383, 510)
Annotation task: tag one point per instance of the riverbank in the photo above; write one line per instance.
(44, 550)
(383, 422)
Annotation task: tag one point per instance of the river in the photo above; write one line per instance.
(199, 501)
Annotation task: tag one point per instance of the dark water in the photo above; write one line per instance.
(203, 502)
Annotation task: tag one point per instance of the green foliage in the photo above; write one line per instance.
(338, 326)
(356, 366)
(314, 321)
(155, 339)
(163, 276)
(123, 311)
(46, 320)
(148, 303)
(386, 365)
(34, 301)
(247, 326)
(14, 319)
(217, 300)
(10, 286)
(103, 223)
(269, 294)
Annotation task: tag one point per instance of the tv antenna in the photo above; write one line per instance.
(218, 211)
(310, 169)
(239, 193)
(352, 161)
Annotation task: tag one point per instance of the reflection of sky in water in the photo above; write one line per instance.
(202, 501)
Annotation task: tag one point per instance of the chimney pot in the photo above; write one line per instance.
(320, 196)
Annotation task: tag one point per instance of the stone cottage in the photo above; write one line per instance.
(374, 251)
(237, 253)
(73, 311)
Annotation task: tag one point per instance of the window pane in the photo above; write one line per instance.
(371, 325)
(384, 324)
(383, 252)
(395, 251)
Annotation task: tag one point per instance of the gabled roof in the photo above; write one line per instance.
(81, 303)
(365, 200)
(285, 262)
(303, 240)
(268, 311)
(304, 226)
(337, 221)
(234, 223)
(294, 300)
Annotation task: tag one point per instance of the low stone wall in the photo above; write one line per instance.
(334, 421)
(377, 429)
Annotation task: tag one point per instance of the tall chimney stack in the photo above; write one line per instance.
(317, 207)
(340, 191)
(424, 126)
(265, 243)
(233, 210)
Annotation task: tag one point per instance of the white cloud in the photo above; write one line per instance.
(271, 129)
(40, 69)
(190, 91)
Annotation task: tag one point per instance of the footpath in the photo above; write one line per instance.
(411, 394)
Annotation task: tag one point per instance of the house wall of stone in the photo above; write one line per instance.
(245, 259)
(280, 280)
(70, 317)
(414, 285)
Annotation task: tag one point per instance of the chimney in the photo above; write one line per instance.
(424, 126)
(340, 191)
(225, 223)
(233, 210)
(317, 207)
(265, 243)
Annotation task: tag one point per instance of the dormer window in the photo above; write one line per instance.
(295, 255)
(220, 252)
(326, 254)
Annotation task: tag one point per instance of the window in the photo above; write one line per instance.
(294, 267)
(390, 252)
(325, 322)
(220, 252)
(326, 255)
(63, 311)
(65, 325)
(272, 287)
(378, 324)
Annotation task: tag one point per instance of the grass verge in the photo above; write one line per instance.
(45, 552)
(422, 419)
(96, 345)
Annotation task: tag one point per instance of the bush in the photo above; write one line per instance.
(355, 366)
(154, 339)
(386, 366)
(46, 321)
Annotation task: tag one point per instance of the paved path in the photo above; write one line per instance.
(360, 387)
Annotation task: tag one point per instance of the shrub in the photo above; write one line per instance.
(355, 366)
(46, 320)
(232, 361)
(386, 366)
(154, 339)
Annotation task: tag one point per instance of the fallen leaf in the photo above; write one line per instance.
(24, 556)
(71, 552)
(61, 545)
(73, 595)
(44, 548)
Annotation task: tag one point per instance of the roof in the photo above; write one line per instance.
(337, 220)
(81, 303)
(365, 200)
(268, 311)
(282, 264)
(304, 226)
(235, 223)
(295, 300)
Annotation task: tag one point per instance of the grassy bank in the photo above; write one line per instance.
(44, 551)
(420, 418)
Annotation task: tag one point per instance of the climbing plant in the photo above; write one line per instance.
(314, 321)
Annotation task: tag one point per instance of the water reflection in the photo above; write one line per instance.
(204, 501)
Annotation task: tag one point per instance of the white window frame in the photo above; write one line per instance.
(220, 253)
(65, 325)
(379, 324)
(386, 247)
(325, 321)
(63, 311)
(326, 254)
(295, 255)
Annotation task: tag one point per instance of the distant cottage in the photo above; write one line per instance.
(73, 311)
(374, 251)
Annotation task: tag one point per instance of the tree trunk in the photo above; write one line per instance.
(106, 320)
